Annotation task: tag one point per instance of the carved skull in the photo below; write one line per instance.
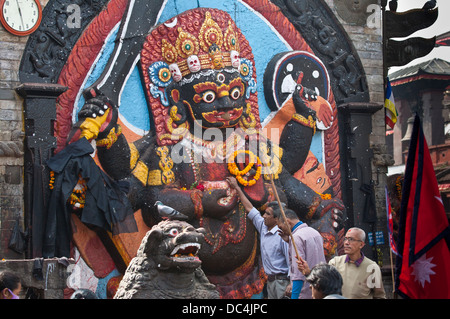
(235, 60)
(176, 73)
(194, 63)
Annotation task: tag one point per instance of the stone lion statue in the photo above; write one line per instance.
(166, 265)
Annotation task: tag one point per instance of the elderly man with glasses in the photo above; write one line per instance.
(361, 276)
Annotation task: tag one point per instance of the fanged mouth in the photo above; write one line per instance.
(185, 251)
(223, 116)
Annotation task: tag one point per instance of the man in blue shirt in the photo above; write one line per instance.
(274, 250)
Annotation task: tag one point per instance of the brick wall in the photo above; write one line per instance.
(11, 138)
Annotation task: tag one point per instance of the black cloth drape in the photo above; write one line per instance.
(106, 205)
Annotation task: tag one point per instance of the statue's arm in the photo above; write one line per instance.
(142, 14)
(296, 137)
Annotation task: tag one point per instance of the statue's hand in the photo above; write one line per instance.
(214, 205)
(97, 116)
(337, 212)
(324, 113)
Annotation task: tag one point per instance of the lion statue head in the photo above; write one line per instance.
(167, 266)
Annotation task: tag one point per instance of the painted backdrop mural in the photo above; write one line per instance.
(228, 89)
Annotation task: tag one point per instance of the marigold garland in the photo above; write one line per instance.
(77, 201)
(78, 197)
(52, 180)
(253, 159)
(325, 196)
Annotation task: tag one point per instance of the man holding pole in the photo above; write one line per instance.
(274, 250)
(305, 243)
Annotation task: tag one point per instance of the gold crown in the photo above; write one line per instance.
(211, 50)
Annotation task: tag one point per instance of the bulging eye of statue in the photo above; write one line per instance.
(209, 96)
(235, 93)
(173, 232)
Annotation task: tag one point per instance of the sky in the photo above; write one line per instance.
(441, 25)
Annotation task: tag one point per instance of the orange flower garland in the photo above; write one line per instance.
(253, 159)
(78, 197)
(325, 196)
(52, 180)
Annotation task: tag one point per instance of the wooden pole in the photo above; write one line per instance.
(284, 216)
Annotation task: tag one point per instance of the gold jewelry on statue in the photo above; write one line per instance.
(173, 113)
(166, 165)
(111, 138)
(134, 155)
(140, 171)
(154, 178)
(146, 177)
(248, 125)
(309, 122)
(178, 132)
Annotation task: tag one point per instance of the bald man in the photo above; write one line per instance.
(361, 276)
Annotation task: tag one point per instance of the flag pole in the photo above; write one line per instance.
(392, 273)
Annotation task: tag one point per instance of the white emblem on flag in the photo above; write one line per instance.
(422, 270)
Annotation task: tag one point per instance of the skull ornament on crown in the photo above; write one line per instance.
(194, 64)
(235, 61)
(176, 73)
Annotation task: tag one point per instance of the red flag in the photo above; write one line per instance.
(423, 267)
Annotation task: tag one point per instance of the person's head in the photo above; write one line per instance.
(10, 285)
(354, 241)
(324, 280)
(291, 220)
(272, 214)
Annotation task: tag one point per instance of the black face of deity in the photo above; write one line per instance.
(215, 100)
